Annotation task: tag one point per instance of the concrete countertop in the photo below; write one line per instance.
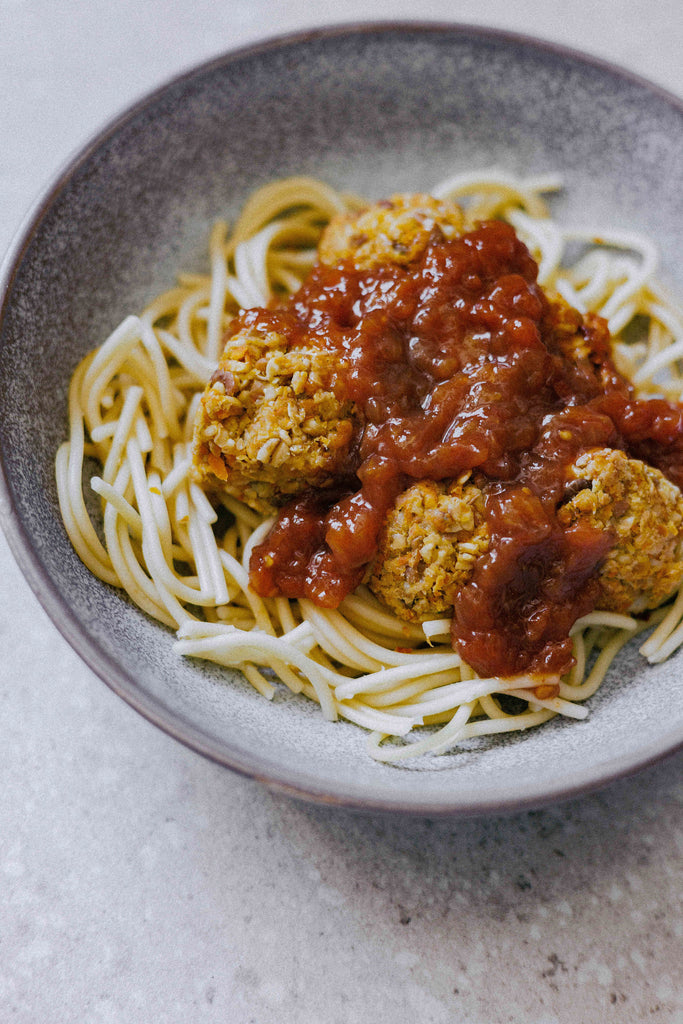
(140, 883)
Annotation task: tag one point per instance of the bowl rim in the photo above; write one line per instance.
(122, 682)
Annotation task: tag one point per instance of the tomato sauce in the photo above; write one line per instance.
(458, 362)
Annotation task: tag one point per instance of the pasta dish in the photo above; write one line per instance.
(419, 460)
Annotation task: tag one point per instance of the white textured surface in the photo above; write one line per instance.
(141, 883)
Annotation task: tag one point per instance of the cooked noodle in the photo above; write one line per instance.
(132, 405)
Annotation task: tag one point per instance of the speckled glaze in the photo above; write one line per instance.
(371, 109)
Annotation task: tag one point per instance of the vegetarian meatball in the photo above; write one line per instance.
(428, 547)
(394, 230)
(584, 340)
(644, 513)
(270, 424)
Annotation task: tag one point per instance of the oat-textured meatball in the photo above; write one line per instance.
(583, 340)
(644, 512)
(394, 230)
(428, 548)
(269, 424)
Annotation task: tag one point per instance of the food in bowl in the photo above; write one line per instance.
(397, 456)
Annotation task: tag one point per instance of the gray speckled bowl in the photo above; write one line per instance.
(373, 109)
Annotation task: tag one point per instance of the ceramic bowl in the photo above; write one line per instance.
(373, 109)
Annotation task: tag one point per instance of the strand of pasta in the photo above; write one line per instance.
(438, 742)
(131, 576)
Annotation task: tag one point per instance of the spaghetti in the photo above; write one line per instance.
(184, 562)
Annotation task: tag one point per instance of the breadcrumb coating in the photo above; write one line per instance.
(395, 230)
(269, 424)
(644, 513)
(428, 547)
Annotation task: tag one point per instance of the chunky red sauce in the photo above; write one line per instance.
(456, 363)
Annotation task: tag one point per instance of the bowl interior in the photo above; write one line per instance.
(373, 110)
